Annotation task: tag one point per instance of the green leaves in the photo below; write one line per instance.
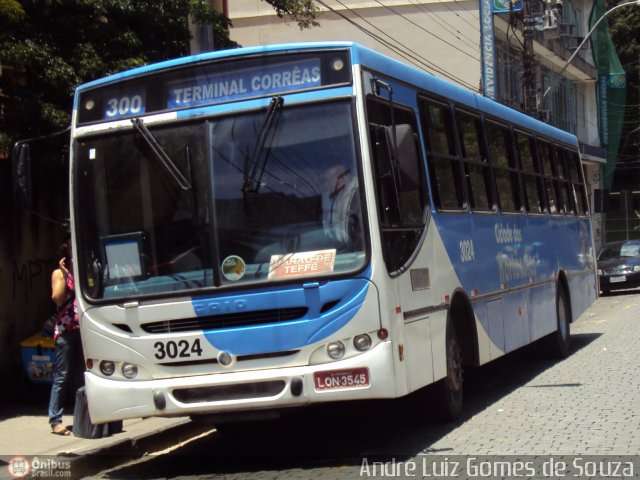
(49, 47)
(302, 11)
(11, 12)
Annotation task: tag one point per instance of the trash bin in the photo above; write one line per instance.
(38, 358)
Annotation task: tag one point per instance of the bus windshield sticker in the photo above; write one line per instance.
(302, 263)
(233, 268)
(219, 87)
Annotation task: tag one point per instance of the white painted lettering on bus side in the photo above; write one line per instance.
(516, 267)
(507, 234)
(515, 262)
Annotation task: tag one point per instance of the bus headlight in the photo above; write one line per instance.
(107, 367)
(600, 272)
(362, 342)
(335, 350)
(129, 370)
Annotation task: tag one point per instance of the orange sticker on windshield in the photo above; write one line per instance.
(302, 263)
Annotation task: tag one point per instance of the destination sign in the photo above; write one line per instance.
(122, 104)
(217, 81)
(217, 87)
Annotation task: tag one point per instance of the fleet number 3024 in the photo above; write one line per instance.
(178, 349)
(466, 251)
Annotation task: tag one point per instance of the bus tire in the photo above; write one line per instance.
(449, 389)
(559, 342)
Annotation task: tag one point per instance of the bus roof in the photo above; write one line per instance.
(366, 57)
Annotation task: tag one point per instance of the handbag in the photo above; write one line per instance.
(49, 326)
(82, 425)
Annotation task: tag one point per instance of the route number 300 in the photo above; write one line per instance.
(119, 107)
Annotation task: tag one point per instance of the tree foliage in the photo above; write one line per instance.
(49, 47)
(624, 25)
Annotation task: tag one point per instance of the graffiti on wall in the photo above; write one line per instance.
(30, 276)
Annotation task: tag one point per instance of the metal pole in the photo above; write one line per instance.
(528, 62)
(554, 80)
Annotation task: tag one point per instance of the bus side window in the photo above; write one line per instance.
(545, 151)
(476, 162)
(504, 166)
(401, 192)
(442, 157)
(531, 177)
(388, 207)
(564, 182)
(576, 178)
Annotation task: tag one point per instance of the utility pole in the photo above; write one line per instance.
(528, 62)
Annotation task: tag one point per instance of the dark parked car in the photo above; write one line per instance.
(619, 265)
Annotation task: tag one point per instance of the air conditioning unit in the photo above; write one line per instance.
(565, 29)
(537, 9)
(574, 43)
(544, 115)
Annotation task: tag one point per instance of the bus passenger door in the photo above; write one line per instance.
(402, 210)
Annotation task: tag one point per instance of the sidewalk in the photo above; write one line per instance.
(24, 432)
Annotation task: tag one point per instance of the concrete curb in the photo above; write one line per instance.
(91, 461)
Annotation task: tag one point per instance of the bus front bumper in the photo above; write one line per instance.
(366, 376)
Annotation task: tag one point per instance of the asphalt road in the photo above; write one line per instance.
(523, 407)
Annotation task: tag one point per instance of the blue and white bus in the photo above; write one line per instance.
(271, 227)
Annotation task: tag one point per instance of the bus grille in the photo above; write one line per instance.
(229, 392)
(225, 321)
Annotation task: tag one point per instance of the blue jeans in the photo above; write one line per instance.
(69, 367)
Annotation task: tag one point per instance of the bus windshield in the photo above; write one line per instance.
(257, 197)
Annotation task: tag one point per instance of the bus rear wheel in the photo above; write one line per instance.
(559, 342)
(450, 387)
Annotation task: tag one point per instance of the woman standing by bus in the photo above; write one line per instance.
(66, 337)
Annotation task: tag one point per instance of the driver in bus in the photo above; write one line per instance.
(339, 204)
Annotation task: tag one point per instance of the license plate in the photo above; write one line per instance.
(617, 279)
(338, 379)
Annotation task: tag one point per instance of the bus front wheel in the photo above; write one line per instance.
(450, 387)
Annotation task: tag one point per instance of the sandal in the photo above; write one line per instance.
(60, 430)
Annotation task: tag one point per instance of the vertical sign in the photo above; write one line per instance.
(604, 114)
(488, 49)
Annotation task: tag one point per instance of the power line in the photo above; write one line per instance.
(431, 14)
(427, 31)
(412, 57)
(470, 13)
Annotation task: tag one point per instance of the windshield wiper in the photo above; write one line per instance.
(161, 155)
(252, 181)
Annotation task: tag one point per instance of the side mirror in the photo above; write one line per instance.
(21, 175)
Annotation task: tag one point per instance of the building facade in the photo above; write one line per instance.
(530, 44)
